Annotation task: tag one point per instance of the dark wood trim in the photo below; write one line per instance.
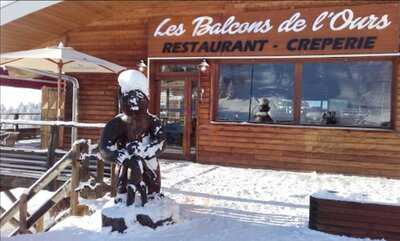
(214, 71)
(395, 94)
(153, 89)
(188, 118)
(187, 77)
(197, 115)
(300, 60)
(298, 71)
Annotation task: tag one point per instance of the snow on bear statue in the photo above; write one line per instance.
(133, 140)
(156, 212)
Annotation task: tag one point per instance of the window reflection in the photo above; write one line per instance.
(347, 94)
(274, 82)
(234, 92)
(257, 93)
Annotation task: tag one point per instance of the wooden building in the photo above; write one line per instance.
(328, 69)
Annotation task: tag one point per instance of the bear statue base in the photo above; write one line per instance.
(159, 211)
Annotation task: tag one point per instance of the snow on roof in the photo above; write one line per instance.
(12, 10)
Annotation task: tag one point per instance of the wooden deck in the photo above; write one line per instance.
(361, 220)
(22, 167)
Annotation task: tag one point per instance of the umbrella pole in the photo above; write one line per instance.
(59, 91)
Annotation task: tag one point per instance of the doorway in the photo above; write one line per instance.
(176, 105)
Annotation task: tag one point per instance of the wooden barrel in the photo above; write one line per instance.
(355, 219)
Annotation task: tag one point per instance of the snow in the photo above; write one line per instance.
(33, 204)
(226, 203)
(133, 80)
(156, 209)
(356, 197)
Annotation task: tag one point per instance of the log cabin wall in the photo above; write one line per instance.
(322, 149)
(122, 39)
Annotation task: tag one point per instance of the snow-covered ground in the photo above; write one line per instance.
(225, 203)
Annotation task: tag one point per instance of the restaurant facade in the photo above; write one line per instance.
(292, 85)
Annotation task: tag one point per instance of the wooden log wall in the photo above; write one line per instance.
(350, 151)
(122, 39)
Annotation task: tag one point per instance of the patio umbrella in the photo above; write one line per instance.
(59, 59)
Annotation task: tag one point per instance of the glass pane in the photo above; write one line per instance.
(179, 68)
(347, 94)
(172, 112)
(274, 84)
(234, 92)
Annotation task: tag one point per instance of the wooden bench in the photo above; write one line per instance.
(355, 219)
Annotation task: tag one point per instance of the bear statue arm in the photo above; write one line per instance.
(111, 135)
(157, 139)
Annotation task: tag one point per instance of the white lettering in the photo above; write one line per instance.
(345, 20)
(202, 25)
(158, 29)
(335, 21)
(317, 25)
(172, 30)
(228, 22)
(234, 28)
(205, 25)
(294, 23)
(345, 15)
(383, 23)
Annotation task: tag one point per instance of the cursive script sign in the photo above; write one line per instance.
(356, 29)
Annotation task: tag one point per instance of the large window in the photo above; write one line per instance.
(342, 93)
(347, 94)
(243, 87)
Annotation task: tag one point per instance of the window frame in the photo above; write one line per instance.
(297, 97)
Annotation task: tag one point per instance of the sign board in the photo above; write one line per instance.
(372, 28)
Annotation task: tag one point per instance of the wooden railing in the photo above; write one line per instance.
(16, 116)
(68, 189)
(80, 171)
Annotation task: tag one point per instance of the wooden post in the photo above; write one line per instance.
(84, 172)
(16, 117)
(23, 210)
(113, 181)
(51, 152)
(100, 171)
(52, 145)
(74, 180)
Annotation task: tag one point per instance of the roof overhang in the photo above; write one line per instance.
(17, 9)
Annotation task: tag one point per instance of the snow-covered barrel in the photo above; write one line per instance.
(354, 215)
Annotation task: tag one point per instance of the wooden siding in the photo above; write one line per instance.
(122, 39)
(340, 150)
